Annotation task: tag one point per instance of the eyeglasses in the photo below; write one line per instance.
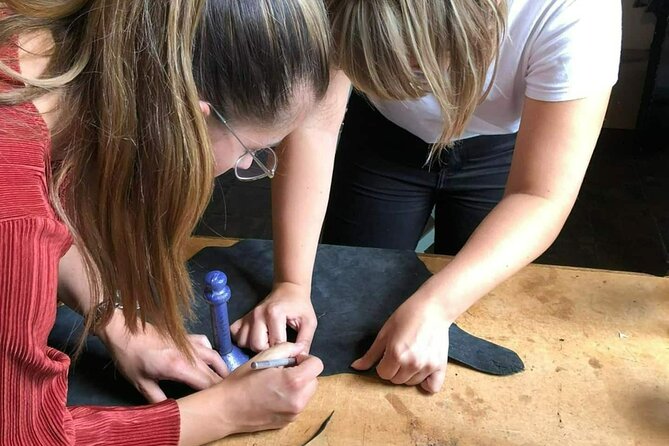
(262, 162)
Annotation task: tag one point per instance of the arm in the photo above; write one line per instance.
(552, 152)
(300, 192)
(301, 188)
(33, 377)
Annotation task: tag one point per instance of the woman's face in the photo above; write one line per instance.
(228, 149)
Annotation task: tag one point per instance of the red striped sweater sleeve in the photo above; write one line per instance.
(33, 376)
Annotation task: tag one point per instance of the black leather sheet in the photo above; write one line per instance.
(354, 292)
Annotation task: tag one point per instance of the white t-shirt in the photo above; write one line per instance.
(553, 50)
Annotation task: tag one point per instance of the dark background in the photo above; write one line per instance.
(621, 218)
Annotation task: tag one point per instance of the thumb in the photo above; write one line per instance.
(434, 382)
(305, 335)
(234, 328)
(373, 355)
(308, 366)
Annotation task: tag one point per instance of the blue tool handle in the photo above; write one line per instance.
(217, 293)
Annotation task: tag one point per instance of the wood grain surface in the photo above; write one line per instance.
(596, 350)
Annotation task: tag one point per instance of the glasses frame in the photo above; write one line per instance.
(267, 172)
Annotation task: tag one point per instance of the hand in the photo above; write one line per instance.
(412, 346)
(265, 326)
(146, 357)
(270, 399)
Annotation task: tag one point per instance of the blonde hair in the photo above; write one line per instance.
(134, 168)
(405, 49)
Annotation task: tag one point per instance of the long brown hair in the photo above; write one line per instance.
(133, 167)
(405, 49)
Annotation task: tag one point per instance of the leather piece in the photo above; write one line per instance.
(354, 292)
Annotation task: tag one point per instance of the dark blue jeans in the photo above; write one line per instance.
(382, 194)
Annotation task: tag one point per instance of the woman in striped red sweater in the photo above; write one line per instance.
(114, 118)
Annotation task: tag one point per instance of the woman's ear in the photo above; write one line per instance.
(206, 109)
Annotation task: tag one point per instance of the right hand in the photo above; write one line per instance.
(254, 400)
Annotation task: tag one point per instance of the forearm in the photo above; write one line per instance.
(196, 424)
(301, 188)
(74, 291)
(300, 193)
(519, 229)
(552, 152)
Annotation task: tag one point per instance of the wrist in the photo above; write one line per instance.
(227, 416)
(116, 322)
(112, 329)
(436, 297)
(294, 288)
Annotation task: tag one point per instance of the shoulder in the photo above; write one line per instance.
(542, 16)
(24, 148)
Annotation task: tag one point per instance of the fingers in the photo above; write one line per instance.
(276, 326)
(212, 359)
(172, 365)
(301, 357)
(200, 340)
(309, 368)
(235, 327)
(205, 352)
(405, 371)
(151, 390)
(198, 376)
(305, 334)
(435, 381)
(251, 332)
(388, 367)
(372, 356)
(413, 370)
(420, 376)
(258, 339)
(241, 335)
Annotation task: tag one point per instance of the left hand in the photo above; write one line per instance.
(147, 357)
(412, 346)
(288, 305)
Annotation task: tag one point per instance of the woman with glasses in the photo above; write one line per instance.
(254, 164)
(488, 110)
(115, 116)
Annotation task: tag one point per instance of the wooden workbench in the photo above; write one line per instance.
(596, 350)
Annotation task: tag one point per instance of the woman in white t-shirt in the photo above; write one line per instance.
(488, 109)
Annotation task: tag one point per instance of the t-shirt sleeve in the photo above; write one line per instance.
(575, 50)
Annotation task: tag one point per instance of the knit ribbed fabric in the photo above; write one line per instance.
(33, 376)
